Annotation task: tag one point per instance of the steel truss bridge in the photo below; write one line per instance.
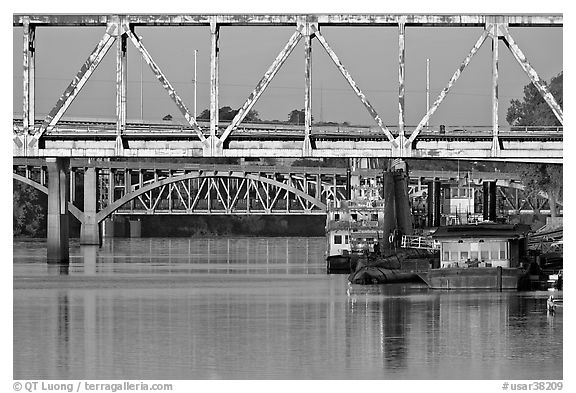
(145, 188)
(54, 137)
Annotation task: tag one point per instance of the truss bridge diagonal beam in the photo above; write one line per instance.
(353, 84)
(165, 83)
(448, 87)
(264, 82)
(531, 72)
(79, 81)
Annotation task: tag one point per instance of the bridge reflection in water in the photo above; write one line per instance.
(175, 256)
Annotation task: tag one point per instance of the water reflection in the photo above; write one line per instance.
(145, 309)
(180, 256)
(63, 333)
(58, 269)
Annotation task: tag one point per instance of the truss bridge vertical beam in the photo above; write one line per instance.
(214, 81)
(29, 77)
(401, 75)
(307, 148)
(121, 90)
(401, 139)
(495, 141)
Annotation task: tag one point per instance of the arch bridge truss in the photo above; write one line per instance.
(194, 189)
(144, 188)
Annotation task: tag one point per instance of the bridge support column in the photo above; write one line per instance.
(434, 203)
(89, 229)
(58, 197)
(489, 201)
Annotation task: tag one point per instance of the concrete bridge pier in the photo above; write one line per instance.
(489, 200)
(89, 228)
(58, 197)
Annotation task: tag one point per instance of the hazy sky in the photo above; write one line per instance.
(369, 53)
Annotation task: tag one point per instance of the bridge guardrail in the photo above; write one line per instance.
(78, 126)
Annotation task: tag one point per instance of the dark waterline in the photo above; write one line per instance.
(260, 308)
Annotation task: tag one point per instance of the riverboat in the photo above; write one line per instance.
(479, 256)
(353, 231)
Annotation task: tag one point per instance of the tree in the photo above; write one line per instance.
(547, 178)
(29, 211)
(226, 113)
(297, 116)
(533, 110)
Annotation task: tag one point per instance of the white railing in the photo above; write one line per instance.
(422, 242)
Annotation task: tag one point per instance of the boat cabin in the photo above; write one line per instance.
(485, 244)
(354, 227)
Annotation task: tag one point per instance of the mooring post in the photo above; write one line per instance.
(499, 278)
(58, 197)
(89, 232)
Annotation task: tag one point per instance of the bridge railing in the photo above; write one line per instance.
(172, 127)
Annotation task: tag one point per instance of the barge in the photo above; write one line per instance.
(479, 256)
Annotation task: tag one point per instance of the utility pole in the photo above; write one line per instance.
(141, 88)
(321, 101)
(427, 90)
(195, 54)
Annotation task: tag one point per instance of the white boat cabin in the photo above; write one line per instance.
(481, 245)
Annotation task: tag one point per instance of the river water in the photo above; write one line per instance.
(260, 308)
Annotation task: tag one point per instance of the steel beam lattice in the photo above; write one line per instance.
(237, 139)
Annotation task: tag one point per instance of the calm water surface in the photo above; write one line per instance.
(260, 308)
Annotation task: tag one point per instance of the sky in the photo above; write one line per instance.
(369, 53)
